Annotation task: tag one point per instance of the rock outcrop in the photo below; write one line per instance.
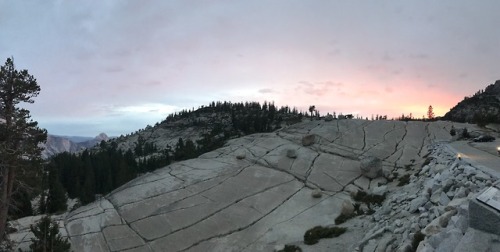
(221, 202)
(482, 107)
(59, 144)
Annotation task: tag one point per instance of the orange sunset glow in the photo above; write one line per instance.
(118, 66)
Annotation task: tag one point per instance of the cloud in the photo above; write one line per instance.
(318, 89)
(267, 91)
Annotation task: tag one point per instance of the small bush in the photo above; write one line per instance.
(453, 132)
(369, 199)
(290, 248)
(313, 235)
(404, 180)
(343, 218)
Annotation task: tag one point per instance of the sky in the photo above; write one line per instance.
(117, 66)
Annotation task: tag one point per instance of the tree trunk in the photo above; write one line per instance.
(7, 185)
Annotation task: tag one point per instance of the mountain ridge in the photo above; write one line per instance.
(481, 108)
(56, 144)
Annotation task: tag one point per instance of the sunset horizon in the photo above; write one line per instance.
(118, 66)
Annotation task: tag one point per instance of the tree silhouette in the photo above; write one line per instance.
(312, 108)
(430, 113)
(47, 237)
(19, 134)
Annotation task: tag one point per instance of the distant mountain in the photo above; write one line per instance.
(482, 108)
(58, 144)
(78, 139)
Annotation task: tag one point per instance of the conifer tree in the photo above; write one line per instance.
(47, 237)
(56, 198)
(19, 134)
(312, 108)
(430, 113)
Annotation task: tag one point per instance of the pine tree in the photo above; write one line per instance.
(19, 134)
(47, 237)
(56, 198)
(430, 113)
(312, 108)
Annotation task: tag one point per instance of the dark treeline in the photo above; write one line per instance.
(100, 170)
(94, 172)
(248, 117)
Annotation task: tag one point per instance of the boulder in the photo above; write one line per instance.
(308, 140)
(437, 224)
(351, 189)
(316, 193)
(291, 153)
(450, 241)
(416, 203)
(347, 208)
(363, 183)
(484, 217)
(444, 200)
(241, 155)
(379, 190)
(371, 167)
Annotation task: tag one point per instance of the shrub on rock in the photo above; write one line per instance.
(289, 248)
(313, 235)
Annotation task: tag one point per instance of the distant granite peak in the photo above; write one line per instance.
(58, 144)
(102, 136)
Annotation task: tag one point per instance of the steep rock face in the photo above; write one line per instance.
(58, 144)
(482, 107)
(218, 202)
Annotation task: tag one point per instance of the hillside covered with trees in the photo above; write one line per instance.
(180, 136)
(481, 108)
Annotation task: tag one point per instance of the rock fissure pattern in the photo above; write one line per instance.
(251, 196)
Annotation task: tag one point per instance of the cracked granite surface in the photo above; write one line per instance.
(218, 202)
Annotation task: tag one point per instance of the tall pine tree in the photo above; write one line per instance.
(19, 134)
